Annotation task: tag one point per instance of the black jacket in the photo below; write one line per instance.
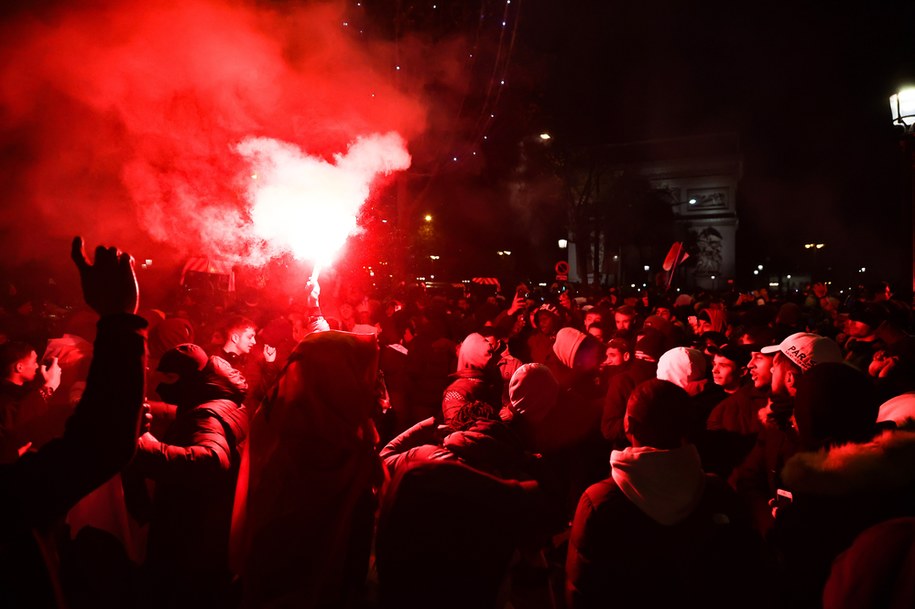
(99, 439)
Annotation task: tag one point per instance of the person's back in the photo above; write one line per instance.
(446, 535)
(660, 532)
(843, 480)
(627, 558)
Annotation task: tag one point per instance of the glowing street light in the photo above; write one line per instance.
(545, 136)
(428, 218)
(902, 106)
(563, 244)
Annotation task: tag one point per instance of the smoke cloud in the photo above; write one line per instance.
(137, 123)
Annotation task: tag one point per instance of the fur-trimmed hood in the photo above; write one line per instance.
(886, 464)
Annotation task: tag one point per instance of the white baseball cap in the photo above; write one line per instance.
(807, 350)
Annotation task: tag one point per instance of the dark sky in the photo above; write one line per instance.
(804, 87)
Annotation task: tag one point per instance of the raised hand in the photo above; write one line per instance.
(109, 284)
(50, 372)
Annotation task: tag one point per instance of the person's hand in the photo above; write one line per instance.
(110, 284)
(269, 354)
(518, 304)
(313, 289)
(146, 422)
(51, 374)
(763, 414)
(147, 442)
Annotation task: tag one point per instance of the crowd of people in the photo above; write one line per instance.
(540, 449)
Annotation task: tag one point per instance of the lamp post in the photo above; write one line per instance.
(902, 105)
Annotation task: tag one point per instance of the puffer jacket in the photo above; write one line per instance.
(195, 467)
(838, 493)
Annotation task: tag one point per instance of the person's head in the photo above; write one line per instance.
(186, 377)
(835, 404)
(597, 332)
(684, 367)
(664, 311)
(532, 392)
(624, 318)
(862, 321)
(649, 345)
(476, 352)
(240, 335)
(547, 319)
(18, 362)
(729, 367)
(577, 350)
(796, 355)
(616, 353)
(760, 369)
(704, 322)
(657, 415)
(593, 316)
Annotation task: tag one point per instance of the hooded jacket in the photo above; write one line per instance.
(303, 510)
(838, 493)
(477, 378)
(660, 533)
(195, 467)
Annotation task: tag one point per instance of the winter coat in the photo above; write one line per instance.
(195, 467)
(687, 542)
(758, 477)
(477, 378)
(838, 493)
(447, 533)
(303, 512)
(693, 546)
(876, 571)
(731, 430)
(489, 446)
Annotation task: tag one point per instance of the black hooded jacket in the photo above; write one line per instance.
(195, 467)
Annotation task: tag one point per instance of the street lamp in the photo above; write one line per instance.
(902, 105)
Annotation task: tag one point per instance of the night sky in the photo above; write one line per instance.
(805, 90)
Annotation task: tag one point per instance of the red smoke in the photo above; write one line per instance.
(122, 121)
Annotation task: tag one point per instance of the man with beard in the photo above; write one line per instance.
(759, 477)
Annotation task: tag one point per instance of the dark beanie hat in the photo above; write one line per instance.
(835, 404)
(184, 360)
(650, 344)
